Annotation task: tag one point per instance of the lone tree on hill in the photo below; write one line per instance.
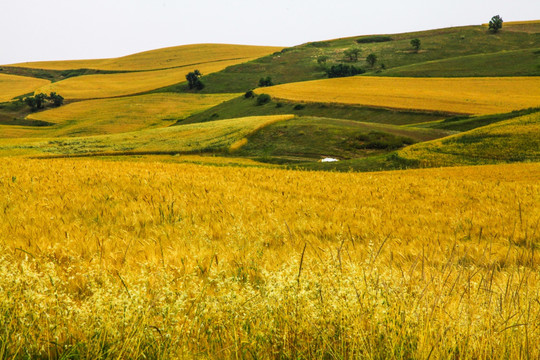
(495, 24)
(371, 59)
(415, 43)
(194, 81)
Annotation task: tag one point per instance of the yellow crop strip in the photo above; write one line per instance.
(165, 58)
(210, 136)
(453, 95)
(147, 259)
(122, 84)
(107, 116)
(13, 85)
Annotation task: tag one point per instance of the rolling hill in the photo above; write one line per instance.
(300, 63)
(406, 97)
(166, 58)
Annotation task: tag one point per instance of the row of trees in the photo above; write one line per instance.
(39, 101)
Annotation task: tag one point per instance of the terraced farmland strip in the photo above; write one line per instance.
(450, 95)
(13, 85)
(107, 116)
(215, 136)
(165, 58)
(122, 84)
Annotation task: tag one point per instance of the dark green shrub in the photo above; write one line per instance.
(342, 70)
(249, 94)
(371, 59)
(55, 99)
(352, 53)
(265, 81)
(279, 105)
(319, 44)
(299, 106)
(415, 43)
(263, 99)
(321, 60)
(373, 39)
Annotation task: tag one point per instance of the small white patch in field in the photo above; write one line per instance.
(328, 159)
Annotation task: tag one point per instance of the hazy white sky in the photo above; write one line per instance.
(80, 29)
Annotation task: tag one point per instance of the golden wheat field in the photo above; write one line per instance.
(150, 260)
(13, 85)
(452, 95)
(212, 136)
(122, 84)
(177, 56)
(108, 116)
(512, 140)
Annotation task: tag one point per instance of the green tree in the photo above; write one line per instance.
(352, 53)
(342, 70)
(31, 102)
(40, 100)
(263, 99)
(55, 99)
(371, 59)
(495, 24)
(321, 60)
(265, 81)
(415, 43)
(194, 81)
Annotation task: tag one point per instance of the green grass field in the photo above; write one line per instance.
(312, 138)
(505, 63)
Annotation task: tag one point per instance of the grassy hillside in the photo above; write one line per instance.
(300, 63)
(12, 86)
(505, 63)
(312, 138)
(108, 116)
(216, 136)
(511, 137)
(165, 58)
(466, 123)
(456, 95)
(506, 141)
